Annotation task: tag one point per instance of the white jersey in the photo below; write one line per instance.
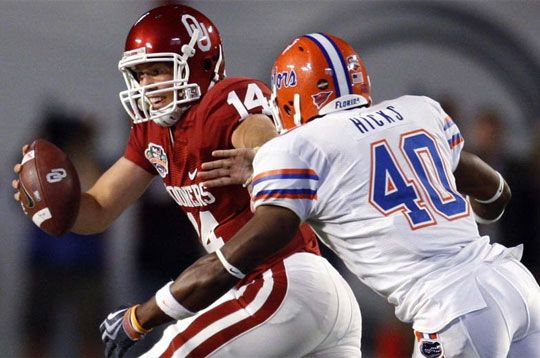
(377, 186)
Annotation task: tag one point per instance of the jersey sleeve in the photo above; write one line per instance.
(454, 139)
(282, 178)
(135, 150)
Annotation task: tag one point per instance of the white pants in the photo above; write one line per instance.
(508, 327)
(301, 307)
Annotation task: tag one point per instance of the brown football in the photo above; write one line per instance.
(50, 191)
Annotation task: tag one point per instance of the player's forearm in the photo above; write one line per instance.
(492, 210)
(488, 189)
(195, 289)
(119, 187)
(271, 229)
(92, 218)
(202, 283)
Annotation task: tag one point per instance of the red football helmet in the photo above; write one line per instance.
(315, 75)
(183, 37)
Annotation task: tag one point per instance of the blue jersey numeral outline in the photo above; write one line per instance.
(391, 190)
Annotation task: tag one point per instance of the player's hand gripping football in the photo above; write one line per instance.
(48, 187)
(120, 331)
(17, 169)
(234, 167)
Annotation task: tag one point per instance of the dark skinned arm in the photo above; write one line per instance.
(477, 179)
(201, 284)
(206, 280)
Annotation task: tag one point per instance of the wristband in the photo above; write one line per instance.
(169, 305)
(135, 322)
(128, 327)
(483, 221)
(497, 194)
(230, 268)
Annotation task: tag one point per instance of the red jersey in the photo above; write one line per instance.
(176, 153)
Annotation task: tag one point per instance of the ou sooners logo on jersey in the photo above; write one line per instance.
(204, 43)
(56, 175)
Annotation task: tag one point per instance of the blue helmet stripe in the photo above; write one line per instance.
(342, 60)
(336, 62)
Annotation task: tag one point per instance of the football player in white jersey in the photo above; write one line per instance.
(390, 190)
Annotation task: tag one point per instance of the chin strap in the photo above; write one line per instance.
(189, 49)
(216, 68)
(172, 118)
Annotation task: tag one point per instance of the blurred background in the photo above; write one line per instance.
(59, 80)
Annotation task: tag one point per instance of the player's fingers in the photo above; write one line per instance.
(109, 349)
(225, 153)
(17, 168)
(217, 182)
(17, 196)
(221, 163)
(25, 149)
(15, 184)
(212, 174)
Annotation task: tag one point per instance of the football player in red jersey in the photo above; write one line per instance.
(183, 108)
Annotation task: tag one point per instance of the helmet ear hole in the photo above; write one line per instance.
(207, 64)
(287, 109)
(322, 84)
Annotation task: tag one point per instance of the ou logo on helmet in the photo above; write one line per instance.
(204, 43)
(56, 175)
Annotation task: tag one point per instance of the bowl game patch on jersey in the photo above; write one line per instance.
(157, 156)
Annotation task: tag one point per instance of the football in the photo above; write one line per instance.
(50, 191)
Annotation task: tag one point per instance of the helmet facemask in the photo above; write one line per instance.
(135, 98)
(277, 111)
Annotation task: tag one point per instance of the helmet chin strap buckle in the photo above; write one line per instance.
(170, 119)
(216, 67)
(189, 49)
